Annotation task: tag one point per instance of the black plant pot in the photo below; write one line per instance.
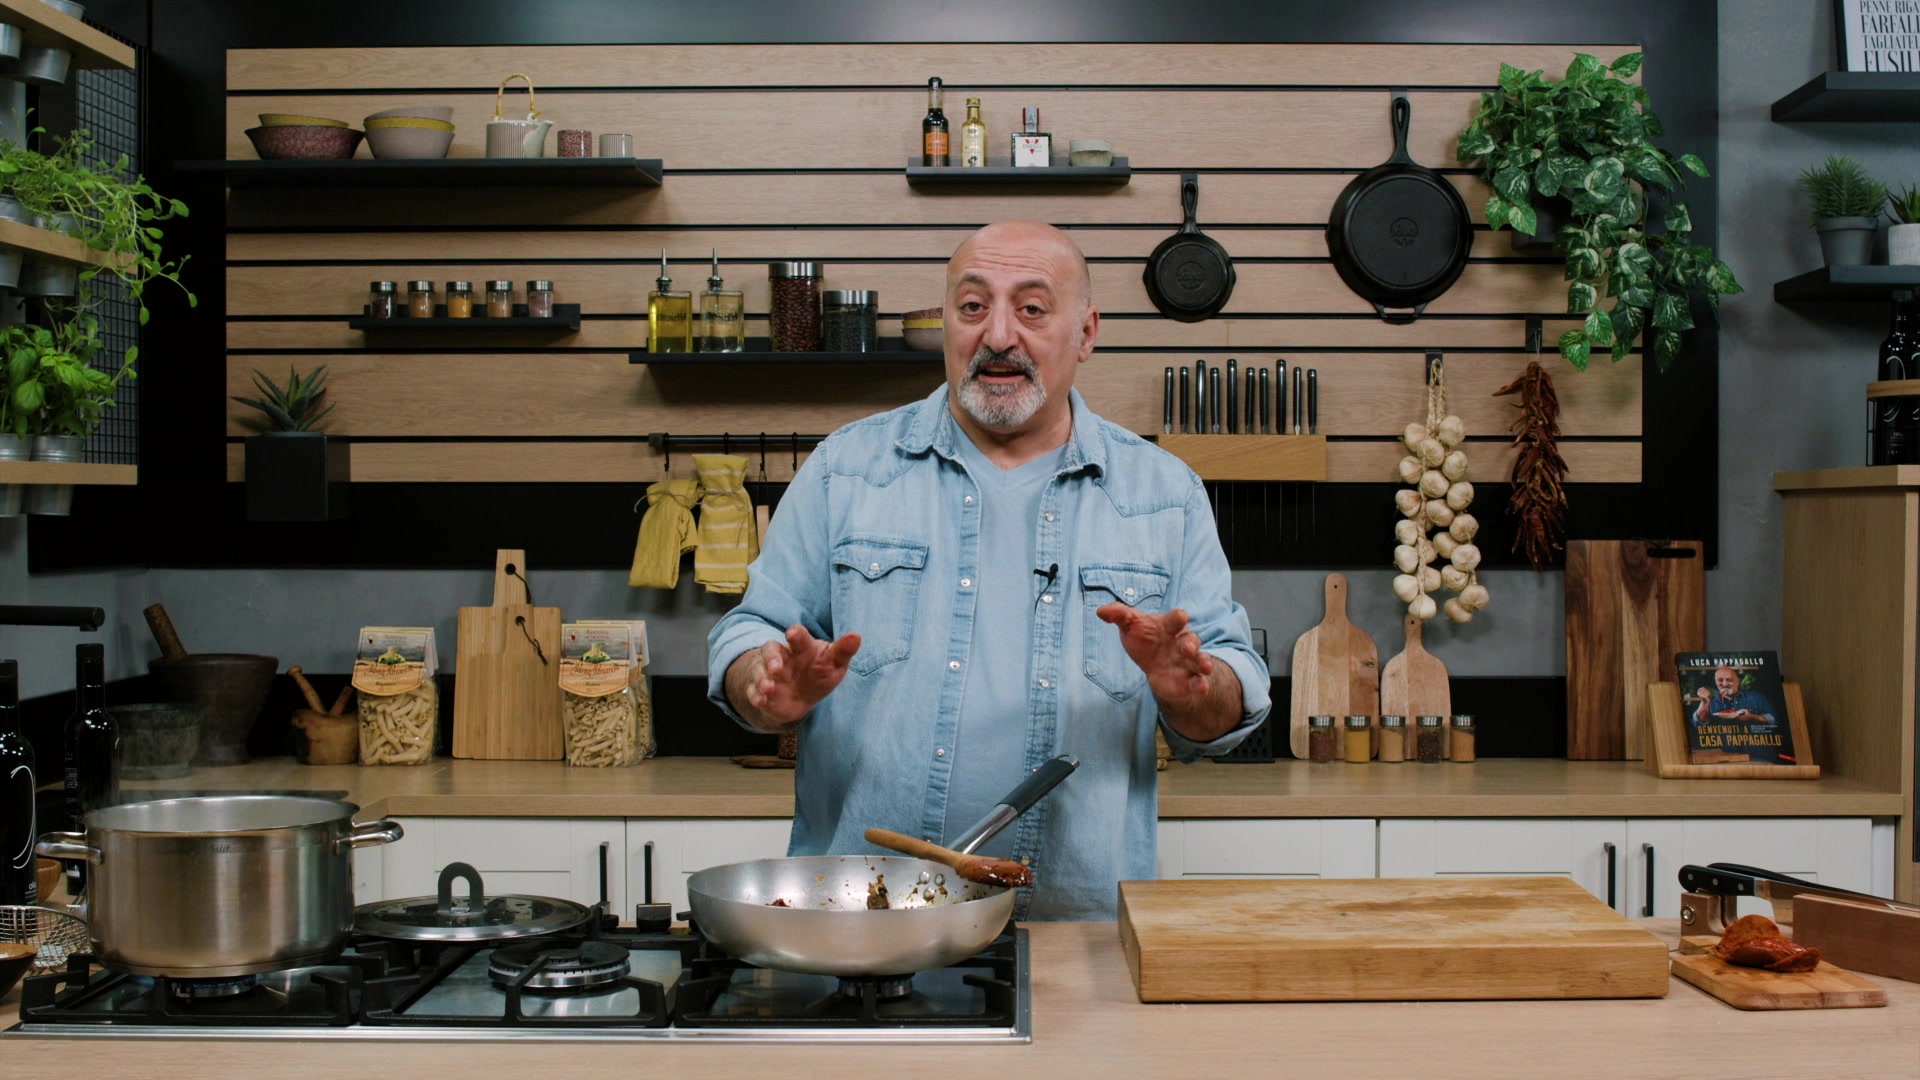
(1549, 215)
(297, 476)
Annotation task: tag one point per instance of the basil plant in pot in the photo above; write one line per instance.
(1846, 209)
(294, 473)
(56, 396)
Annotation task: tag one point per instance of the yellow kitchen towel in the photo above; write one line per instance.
(666, 533)
(728, 538)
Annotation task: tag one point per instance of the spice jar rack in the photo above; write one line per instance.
(566, 317)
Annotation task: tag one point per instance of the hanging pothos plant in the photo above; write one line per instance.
(1586, 140)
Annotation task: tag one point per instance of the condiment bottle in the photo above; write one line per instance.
(420, 299)
(1032, 147)
(1429, 739)
(540, 299)
(499, 299)
(973, 137)
(1460, 746)
(1319, 738)
(723, 314)
(1393, 738)
(933, 128)
(1359, 739)
(669, 315)
(459, 299)
(380, 299)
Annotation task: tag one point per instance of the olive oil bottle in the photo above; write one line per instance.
(669, 315)
(723, 316)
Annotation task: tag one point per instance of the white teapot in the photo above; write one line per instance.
(517, 138)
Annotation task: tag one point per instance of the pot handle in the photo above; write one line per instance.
(384, 831)
(476, 893)
(66, 845)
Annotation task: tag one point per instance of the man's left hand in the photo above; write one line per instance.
(1165, 649)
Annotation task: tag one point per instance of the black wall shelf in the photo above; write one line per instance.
(1113, 175)
(565, 317)
(437, 172)
(743, 359)
(1843, 96)
(1846, 283)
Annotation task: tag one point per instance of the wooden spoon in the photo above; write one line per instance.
(983, 869)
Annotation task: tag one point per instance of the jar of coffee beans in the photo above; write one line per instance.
(849, 320)
(795, 313)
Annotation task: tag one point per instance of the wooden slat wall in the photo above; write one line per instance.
(1286, 122)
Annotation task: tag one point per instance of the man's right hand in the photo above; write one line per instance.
(776, 684)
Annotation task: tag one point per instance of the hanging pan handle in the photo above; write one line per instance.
(499, 97)
(1399, 318)
(1190, 202)
(1402, 124)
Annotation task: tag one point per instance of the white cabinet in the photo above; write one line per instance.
(686, 845)
(1267, 847)
(1502, 847)
(560, 857)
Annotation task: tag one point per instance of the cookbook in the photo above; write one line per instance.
(1735, 708)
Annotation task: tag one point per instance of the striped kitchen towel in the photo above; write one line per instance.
(729, 539)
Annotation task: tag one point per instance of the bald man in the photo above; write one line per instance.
(957, 590)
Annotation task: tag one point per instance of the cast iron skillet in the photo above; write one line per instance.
(1399, 233)
(1189, 277)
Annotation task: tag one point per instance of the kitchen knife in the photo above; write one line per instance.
(1266, 417)
(1280, 397)
(1711, 898)
(1200, 397)
(1166, 406)
(1313, 401)
(1233, 397)
(1213, 399)
(1185, 376)
(1299, 397)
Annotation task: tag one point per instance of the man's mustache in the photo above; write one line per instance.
(1012, 357)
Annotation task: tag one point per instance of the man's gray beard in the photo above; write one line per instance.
(1001, 407)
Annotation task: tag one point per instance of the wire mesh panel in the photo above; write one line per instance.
(107, 103)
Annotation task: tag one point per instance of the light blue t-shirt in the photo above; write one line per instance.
(990, 747)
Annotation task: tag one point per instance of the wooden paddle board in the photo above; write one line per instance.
(506, 702)
(1825, 987)
(1385, 939)
(1630, 606)
(1336, 671)
(1415, 685)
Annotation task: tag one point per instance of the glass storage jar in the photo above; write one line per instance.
(459, 299)
(795, 311)
(1393, 738)
(1359, 740)
(1460, 745)
(1430, 739)
(499, 299)
(420, 299)
(1319, 738)
(380, 299)
(849, 320)
(540, 299)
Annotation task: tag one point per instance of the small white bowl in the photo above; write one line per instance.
(430, 112)
(1096, 153)
(924, 338)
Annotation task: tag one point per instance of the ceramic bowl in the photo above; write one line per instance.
(377, 123)
(275, 119)
(924, 335)
(442, 113)
(409, 142)
(304, 143)
(15, 960)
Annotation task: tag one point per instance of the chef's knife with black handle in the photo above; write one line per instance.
(1280, 397)
(1299, 397)
(1266, 417)
(1185, 404)
(1166, 406)
(1247, 397)
(1313, 401)
(1200, 397)
(1233, 397)
(1213, 399)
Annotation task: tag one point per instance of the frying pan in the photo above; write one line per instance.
(1399, 233)
(1189, 277)
(932, 918)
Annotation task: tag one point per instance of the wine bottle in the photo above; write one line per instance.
(933, 128)
(1893, 419)
(92, 739)
(18, 826)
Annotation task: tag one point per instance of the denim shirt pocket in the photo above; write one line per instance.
(1140, 587)
(876, 587)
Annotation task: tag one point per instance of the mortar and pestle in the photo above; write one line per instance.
(324, 736)
(232, 686)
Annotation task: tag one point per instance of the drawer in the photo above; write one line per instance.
(1281, 847)
(504, 843)
(706, 842)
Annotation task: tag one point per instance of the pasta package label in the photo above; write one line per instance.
(392, 660)
(638, 630)
(595, 659)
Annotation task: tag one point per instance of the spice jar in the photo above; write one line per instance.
(540, 298)
(459, 299)
(849, 320)
(1319, 738)
(1460, 746)
(499, 299)
(795, 313)
(1393, 738)
(380, 296)
(420, 299)
(1359, 739)
(1428, 739)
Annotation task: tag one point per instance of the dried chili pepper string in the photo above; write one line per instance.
(1539, 497)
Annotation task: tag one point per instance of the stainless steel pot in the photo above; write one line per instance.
(218, 886)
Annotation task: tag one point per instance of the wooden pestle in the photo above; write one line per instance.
(306, 688)
(979, 868)
(163, 633)
(340, 703)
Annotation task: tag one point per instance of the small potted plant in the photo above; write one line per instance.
(1903, 237)
(294, 473)
(1846, 209)
(57, 395)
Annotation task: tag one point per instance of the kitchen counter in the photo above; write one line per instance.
(1087, 1022)
(684, 787)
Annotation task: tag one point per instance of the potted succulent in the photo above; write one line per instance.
(1903, 237)
(294, 473)
(1582, 147)
(1846, 208)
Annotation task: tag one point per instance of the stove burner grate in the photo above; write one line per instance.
(210, 989)
(878, 988)
(545, 968)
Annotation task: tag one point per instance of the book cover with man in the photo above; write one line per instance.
(1735, 709)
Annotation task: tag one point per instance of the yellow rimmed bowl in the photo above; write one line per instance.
(425, 123)
(922, 333)
(274, 119)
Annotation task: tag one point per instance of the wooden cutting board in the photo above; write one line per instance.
(1630, 605)
(1336, 671)
(1415, 685)
(1825, 987)
(506, 702)
(1387, 939)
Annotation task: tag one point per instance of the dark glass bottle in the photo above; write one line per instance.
(17, 824)
(1894, 434)
(92, 738)
(933, 129)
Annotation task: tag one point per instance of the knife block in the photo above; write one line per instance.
(506, 702)
(1250, 457)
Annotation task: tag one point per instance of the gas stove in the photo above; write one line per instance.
(608, 983)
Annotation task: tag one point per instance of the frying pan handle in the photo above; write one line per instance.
(1402, 124)
(1018, 801)
(1398, 318)
(1190, 202)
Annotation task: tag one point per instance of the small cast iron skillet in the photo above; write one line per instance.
(1189, 277)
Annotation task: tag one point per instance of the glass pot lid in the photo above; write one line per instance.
(475, 917)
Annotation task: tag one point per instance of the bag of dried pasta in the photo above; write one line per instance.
(393, 670)
(600, 707)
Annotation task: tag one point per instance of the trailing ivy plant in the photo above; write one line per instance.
(1586, 139)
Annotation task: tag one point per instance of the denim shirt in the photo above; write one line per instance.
(879, 535)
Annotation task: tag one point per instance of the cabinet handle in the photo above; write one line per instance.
(646, 872)
(1613, 872)
(603, 873)
(1647, 912)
